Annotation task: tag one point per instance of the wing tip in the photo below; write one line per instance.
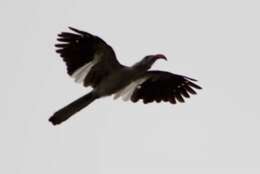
(196, 86)
(79, 31)
(72, 28)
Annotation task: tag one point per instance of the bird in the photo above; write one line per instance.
(92, 62)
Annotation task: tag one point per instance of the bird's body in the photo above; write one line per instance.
(115, 81)
(93, 63)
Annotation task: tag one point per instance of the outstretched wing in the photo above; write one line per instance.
(88, 58)
(164, 86)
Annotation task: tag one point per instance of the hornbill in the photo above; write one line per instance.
(92, 62)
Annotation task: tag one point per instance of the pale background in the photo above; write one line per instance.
(216, 131)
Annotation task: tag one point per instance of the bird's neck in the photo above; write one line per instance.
(141, 67)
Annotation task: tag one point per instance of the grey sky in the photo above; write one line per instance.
(216, 131)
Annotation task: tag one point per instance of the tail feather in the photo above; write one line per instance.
(72, 108)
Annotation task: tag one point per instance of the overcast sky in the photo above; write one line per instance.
(217, 131)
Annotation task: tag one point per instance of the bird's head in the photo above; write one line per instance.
(147, 62)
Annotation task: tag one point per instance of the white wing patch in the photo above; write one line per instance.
(80, 74)
(128, 91)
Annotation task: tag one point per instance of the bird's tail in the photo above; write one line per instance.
(72, 108)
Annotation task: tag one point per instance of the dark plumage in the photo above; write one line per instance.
(165, 86)
(92, 62)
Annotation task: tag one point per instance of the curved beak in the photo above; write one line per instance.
(160, 56)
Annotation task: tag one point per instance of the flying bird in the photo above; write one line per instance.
(93, 63)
